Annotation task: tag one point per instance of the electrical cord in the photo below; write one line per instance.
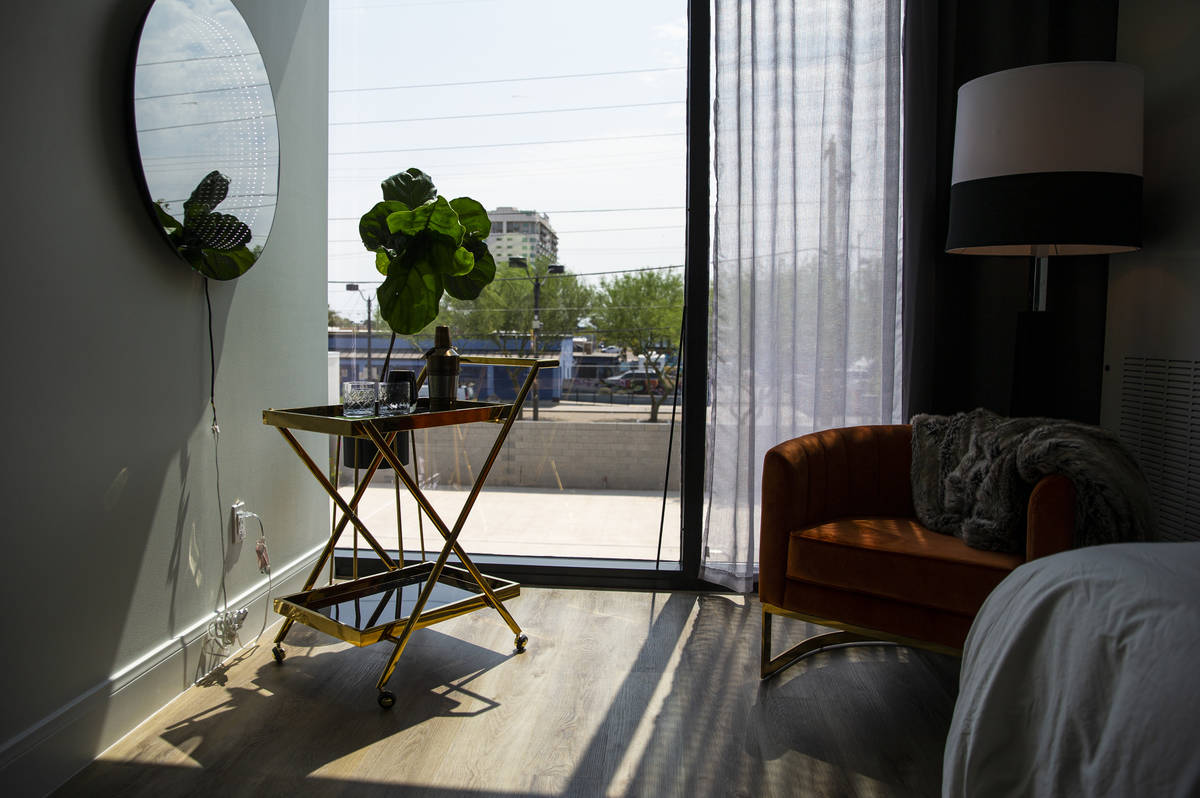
(216, 433)
(224, 627)
(264, 567)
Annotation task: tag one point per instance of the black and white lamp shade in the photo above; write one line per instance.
(1048, 161)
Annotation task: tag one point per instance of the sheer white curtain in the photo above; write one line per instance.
(805, 313)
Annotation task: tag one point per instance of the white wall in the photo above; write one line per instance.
(1154, 294)
(112, 524)
(1151, 388)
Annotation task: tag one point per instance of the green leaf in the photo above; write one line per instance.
(424, 263)
(383, 260)
(373, 227)
(405, 300)
(412, 187)
(221, 231)
(170, 224)
(195, 258)
(226, 264)
(444, 257)
(463, 262)
(470, 285)
(436, 217)
(472, 216)
(211, 190)
(193, 212)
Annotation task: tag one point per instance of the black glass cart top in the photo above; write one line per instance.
(391, 605)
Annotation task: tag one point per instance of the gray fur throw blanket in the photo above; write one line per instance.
(972, 474)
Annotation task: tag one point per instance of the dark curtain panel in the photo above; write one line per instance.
(961, 312)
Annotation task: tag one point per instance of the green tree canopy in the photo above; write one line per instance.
(642, 312)
(504, 310)
(338, 320)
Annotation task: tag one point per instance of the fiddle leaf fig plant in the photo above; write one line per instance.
(425, 245)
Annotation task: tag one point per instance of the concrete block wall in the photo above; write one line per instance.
(596, 455)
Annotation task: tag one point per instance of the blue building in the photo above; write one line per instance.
(484, 382)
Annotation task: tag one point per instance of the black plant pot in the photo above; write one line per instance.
(362, 452)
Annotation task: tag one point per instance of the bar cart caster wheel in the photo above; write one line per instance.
(278, 653)
(522, 641)
(387, 700)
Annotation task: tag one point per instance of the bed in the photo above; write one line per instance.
(1081, 676)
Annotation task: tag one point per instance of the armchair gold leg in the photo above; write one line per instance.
(770, 666)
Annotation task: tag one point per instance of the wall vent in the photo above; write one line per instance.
(1160, 422)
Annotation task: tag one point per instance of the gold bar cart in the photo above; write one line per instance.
(392, 605)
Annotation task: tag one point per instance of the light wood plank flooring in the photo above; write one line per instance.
(619, 693)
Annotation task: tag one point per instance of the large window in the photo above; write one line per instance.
(568, 122)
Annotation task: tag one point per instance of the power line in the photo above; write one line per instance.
(619, 229)
(668, 248)
(202, 91)
(621, 210)
(544, 277)
(525, 333)
(597, 274)
(509, 113)
(360, 254)
(195, 58)
(409, 4)
(590, 309)
(507, 80)
(196, 157)
(577, 210)
(519, 165)
(557, 232)
(227, 196)
(511, 144)
(202, 124)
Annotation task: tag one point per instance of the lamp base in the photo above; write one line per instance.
(1037, 367)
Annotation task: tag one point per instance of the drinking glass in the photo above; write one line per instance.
(395, 398)
(358, 398)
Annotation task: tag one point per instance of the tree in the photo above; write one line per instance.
(503, 313)
(642, 312)
(338, 320)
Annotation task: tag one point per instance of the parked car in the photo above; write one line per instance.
(636, 379)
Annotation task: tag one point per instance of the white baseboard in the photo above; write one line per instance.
(43, 757)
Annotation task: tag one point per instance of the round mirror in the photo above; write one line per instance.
(206, 135)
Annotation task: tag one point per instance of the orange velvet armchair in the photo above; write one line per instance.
(841, 546)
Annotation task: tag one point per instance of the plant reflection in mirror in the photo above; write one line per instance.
(213, 243)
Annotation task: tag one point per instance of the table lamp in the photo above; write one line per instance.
(1048, 161)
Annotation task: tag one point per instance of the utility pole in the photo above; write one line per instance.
(537, 323)
(553, 268)
(354, 287)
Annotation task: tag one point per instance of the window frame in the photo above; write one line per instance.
(620, 574)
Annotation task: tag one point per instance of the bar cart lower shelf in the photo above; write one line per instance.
(376, 608)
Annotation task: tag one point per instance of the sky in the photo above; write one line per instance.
(585, 100)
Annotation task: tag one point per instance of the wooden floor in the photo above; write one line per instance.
(619, 693)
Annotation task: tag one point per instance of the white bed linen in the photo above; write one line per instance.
(1081, 676)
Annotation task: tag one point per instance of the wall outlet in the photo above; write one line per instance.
(238, 521)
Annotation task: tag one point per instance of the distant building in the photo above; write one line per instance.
(521, 234)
